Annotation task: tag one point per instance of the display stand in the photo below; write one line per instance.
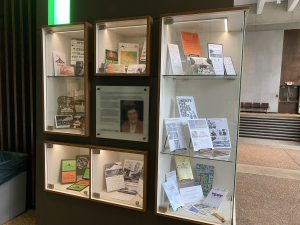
(201, 63)
(65, 76)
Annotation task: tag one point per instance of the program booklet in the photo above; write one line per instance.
(183, 168)
(215, 198)
(59, 59)
(200, 134)
(175, 134)
(191, 44)
(174, 197)
(132, 170)
(68, 171)
(128, 53)
(201, 66)
(77, 51)
(114, 176)
(205, 177)
(186, 107)
(82, 162)
(215, 54)
(219, 132)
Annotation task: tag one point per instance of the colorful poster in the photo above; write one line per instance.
(205, 177)
(68, 171)
(128, 53)
(191, 44)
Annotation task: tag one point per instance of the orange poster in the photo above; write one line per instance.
(191, 44)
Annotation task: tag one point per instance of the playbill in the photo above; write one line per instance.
(215, 54)
(122, 112)
(114, 176)
(200, 134)
(175, 134)
(186, 107)
(219, 132)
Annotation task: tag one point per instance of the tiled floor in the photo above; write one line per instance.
(268, 184)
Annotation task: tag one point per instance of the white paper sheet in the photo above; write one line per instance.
(191, 195)
(175, 132)
(230, 71)
(175, 59)
(200, 134)
(173, 195)
(215, 198)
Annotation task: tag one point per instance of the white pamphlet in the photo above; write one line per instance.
(114, 176)
(215, 53)
(173, 195)
(77, 51)
(215, 197)
(171, 176)
(175, 132)
(175, 59)
(200, 134)
(219, 132)
(144, 52)
(230, 71)
(59, 59)
(186, 107)
(191, 195)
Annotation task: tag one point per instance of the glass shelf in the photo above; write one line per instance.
(219, 155)
(202, 77)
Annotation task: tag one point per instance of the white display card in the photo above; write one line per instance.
(215, 198)
(175, 134)
(219, 132)
(230, 71)
(215, 53)
(191, 195)
(173, 195)
(175, 59)
(186, 107)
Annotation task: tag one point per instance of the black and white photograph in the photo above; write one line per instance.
(63, 121)
(114, 176)
(132, 116)
(132, 170)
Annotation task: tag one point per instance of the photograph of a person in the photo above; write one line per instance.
(132, 116)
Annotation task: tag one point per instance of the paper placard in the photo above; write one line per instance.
(191, 195)
(200, 134)
(219, 132)
(173, 195)
(230, 71)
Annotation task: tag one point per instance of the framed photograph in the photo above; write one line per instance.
(63, 121)
(122, 112)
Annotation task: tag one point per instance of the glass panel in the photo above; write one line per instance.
(67, 169)
(64, 79)
(201, 60)
(118, 178)
(121, 47)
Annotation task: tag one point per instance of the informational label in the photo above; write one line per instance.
(122, 112)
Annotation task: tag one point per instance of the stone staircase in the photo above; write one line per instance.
(270, 127)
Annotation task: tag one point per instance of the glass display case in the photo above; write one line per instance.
(123, 46)
(116, 176)
(65, 77)
(67, 169)
(199, 88)
(119, 177)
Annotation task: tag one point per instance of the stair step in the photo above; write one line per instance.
(269, 137)
(269, 133)
(271, 122)
(271, 119)
(270, 128)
